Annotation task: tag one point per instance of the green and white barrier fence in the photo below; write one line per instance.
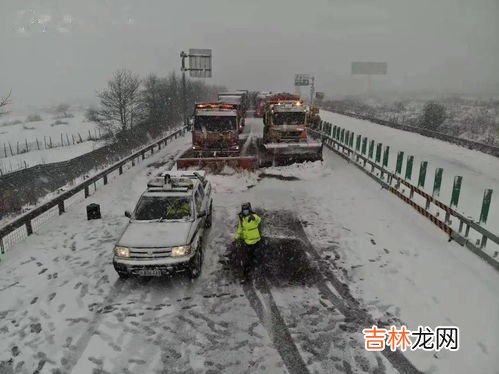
(373, 159)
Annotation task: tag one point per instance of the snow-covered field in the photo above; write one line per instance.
(63, 307)
(15, 132)
(47, 127)
(470, 118)
(479, 171)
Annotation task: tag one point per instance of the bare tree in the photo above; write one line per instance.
(156, 97)
(4, 101)
(120, 104)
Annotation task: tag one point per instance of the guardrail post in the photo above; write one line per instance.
(358, 142)
(61, 207)
(29, 228)
(105, 179)
(484, 213)
(422, 174)
(120, 169)
(385, 164)
(87, 192)
(400, 161)
(454, 200)
(461, 224)
(467, 231)
(385, 156)
(408, 167)
(378, 152)
(133, 161)
(143, 155)
(437, 182)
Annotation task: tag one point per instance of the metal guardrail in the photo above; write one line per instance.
(392, 182)
(26, 220)
(470, 144)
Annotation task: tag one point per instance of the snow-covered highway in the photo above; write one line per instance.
(345, 254)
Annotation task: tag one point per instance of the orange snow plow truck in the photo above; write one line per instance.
(215, 139)
(285, 133)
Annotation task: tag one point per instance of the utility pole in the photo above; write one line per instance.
(183, 55)
(312, 92)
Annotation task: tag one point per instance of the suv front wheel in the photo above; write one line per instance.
(196, 264)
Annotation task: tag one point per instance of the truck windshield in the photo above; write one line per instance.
(215, 123)
(288, 118)
(163, 208)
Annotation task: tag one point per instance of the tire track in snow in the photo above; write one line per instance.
(270, 317)
(341, 298)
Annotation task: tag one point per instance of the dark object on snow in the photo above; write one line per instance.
(93, 211)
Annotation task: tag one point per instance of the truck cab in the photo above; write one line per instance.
(239, 99)
(261, 98)
(285, 121)
(215, 129)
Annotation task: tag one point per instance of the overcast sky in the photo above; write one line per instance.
(65, 50)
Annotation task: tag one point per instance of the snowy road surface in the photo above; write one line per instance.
(479, 170)
(345, 254)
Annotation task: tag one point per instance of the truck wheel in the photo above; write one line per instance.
(196, 265)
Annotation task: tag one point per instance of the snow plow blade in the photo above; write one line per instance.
(281, 154)
(217, 163)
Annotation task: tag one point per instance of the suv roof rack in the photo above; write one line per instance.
(170, 183)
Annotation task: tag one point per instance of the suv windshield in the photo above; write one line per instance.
(289, 118)
(164, 207)
(215, 123)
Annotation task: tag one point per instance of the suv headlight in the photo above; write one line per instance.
(183, 250)
(121, 251)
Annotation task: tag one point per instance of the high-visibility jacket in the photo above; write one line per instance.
(181, 210)
(248, 229)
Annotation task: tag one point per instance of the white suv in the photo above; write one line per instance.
(164, 235)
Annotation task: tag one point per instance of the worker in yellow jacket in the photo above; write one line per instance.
(248, 233)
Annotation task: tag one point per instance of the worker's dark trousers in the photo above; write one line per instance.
(249, 254)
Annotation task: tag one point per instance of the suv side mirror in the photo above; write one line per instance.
(128, 214)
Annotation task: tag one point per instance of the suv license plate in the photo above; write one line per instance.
(150, 272)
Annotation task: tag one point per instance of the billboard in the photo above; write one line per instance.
(200, 63)
(302, 80)
(369, 68)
